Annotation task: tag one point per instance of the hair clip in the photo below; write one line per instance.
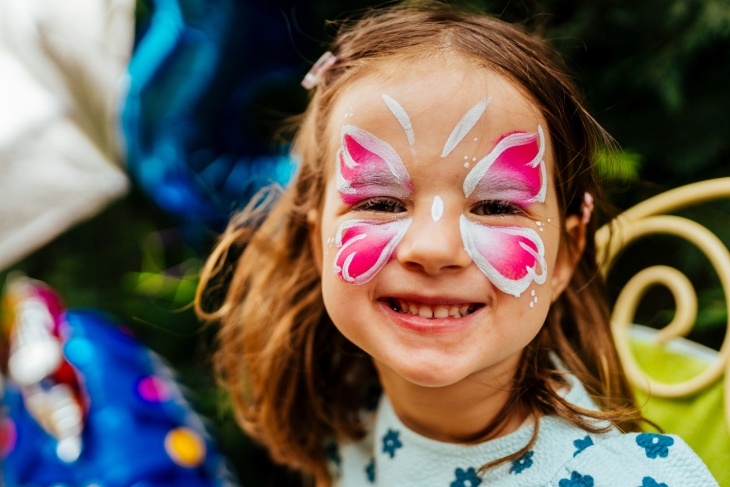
(586, 208)
(316, 73)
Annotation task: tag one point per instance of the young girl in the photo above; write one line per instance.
(422, 305)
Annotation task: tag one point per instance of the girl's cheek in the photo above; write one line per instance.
(365, 246)
(512, 258)
(328, 245)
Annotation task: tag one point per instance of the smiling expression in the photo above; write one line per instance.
(433, 259)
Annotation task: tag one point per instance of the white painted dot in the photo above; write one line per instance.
(466, 164)
(532, 293)
(473, 158)
(466, 158)
(476, 138)
(532, 305)
(437, 208)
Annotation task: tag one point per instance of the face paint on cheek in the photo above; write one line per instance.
(368, 167)
(510, 257)
(365, 247)
(437, 208)
(514, 170)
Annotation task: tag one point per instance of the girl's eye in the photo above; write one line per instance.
(382, 205)
(488, 208)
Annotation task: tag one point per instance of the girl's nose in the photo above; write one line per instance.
(433, 246)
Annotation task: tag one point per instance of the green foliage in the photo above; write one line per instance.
(622, 167)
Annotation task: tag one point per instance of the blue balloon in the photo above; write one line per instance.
(198, 69)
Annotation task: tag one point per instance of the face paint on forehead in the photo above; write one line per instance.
(368, 166)
(365, 247)
(403, 118)
(510, 257)
(464, 125)
(514, 170)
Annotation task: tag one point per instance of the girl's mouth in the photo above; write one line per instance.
(432, 311)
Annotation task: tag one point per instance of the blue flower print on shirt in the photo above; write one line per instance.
(466, 478)
(522, 463)
(582, 444)
(577, 480)
(650, 482)
(370, 471)
(391, 442)
(654, 444)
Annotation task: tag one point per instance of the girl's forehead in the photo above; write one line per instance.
(419, 106)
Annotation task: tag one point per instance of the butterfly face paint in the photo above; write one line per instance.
(514, 172)
(365, 247)
(437, 208)
(369, 168)
(403, 119)
(464, 125)
(511, 257)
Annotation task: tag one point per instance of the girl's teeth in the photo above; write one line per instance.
(431, 312)
(440, 312)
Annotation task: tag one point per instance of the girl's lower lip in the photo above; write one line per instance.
(436, 326)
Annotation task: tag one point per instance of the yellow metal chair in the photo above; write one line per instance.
(682, 386)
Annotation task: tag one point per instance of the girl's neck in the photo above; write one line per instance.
(458, 413)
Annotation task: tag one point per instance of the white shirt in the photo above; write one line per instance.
(564, 455)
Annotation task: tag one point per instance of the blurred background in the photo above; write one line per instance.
(129, 132)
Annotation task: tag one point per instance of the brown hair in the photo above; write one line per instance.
(294, 379)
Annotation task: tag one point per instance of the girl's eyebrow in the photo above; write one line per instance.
(375, 177)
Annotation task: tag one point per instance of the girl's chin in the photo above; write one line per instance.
(424, 371)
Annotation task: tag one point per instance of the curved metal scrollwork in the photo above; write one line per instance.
(648, 218)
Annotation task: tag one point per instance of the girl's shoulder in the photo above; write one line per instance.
(615, 458)
(632, 459)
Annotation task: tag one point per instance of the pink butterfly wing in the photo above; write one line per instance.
(366, 165)
(518, 159)
(509, 256)
(365, 247)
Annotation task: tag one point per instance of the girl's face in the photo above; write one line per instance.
(440, 232)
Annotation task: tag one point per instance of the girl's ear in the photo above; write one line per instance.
(315, 237)
(569, 254)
